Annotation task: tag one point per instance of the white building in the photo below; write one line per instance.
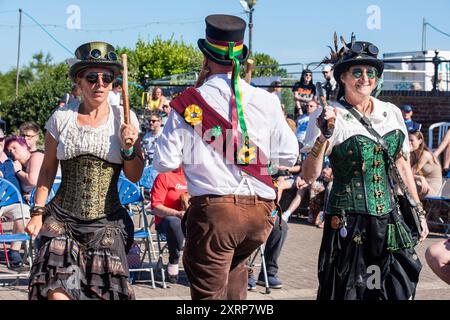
(415, 76)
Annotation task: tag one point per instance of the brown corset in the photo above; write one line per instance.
(88, 188)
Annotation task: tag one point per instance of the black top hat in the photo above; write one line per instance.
(95, 54)
(357, 53)
(221, 30)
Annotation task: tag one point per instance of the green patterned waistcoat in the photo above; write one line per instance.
(360, 182)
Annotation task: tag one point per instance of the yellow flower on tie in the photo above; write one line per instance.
(246, 154)
(193, 114)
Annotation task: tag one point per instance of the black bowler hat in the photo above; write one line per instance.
(221, 30)
(95, 54)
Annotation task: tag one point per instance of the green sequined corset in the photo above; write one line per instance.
(360, 172)
(88, 188)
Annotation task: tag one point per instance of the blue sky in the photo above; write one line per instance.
(289, 30)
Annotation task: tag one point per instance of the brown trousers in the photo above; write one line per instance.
(221, 233)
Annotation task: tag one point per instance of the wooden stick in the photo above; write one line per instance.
(126, 103)
(248, 71)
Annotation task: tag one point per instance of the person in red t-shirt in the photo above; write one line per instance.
(167, 208)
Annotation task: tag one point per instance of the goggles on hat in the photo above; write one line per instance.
(97, 54)
(359, 48)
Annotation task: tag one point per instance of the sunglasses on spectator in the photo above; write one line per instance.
(357, 73)
(92, 77)
(2, 139)
(154, 121)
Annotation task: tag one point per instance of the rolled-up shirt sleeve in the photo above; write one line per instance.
(169, 146)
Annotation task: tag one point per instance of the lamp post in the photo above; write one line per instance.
(436, 62)
(248, 6)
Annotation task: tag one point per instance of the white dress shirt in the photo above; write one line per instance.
(206, 170)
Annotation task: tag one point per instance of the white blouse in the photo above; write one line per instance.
(385, 118)
(75, 140)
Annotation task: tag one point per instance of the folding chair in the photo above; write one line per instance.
(438, 207)
(130, 193)
(252, 264)
(148, 178)
(442, 128)
(161, 239)
(9, 195)
(146, 183)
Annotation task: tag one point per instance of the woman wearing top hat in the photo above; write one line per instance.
(85, 232)
(367, 250)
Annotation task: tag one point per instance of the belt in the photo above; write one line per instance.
(228, 198)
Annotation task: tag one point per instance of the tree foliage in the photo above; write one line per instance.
(266, 66)
(157, 59)
(38, 98)
(161, 58)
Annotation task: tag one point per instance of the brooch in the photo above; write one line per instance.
(193, 114)
(216, 131)
(348, 117)
(335, 222)
(246, 154)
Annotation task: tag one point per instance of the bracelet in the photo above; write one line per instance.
(37, 211)
(128, 155)
(317, 148)
(420, 210)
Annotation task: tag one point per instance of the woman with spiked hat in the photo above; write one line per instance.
(220, 133)
(85, 232)
(367, 250)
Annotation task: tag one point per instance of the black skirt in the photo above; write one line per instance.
(85, 259)
(360, 267)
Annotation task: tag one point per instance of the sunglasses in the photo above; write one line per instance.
(2, 139)
(97, 54)
(154, 121)
(92, 77)
(357, 73)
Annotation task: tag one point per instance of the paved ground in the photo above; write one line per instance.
(298, 264)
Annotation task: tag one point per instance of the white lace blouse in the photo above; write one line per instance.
(75, 140)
